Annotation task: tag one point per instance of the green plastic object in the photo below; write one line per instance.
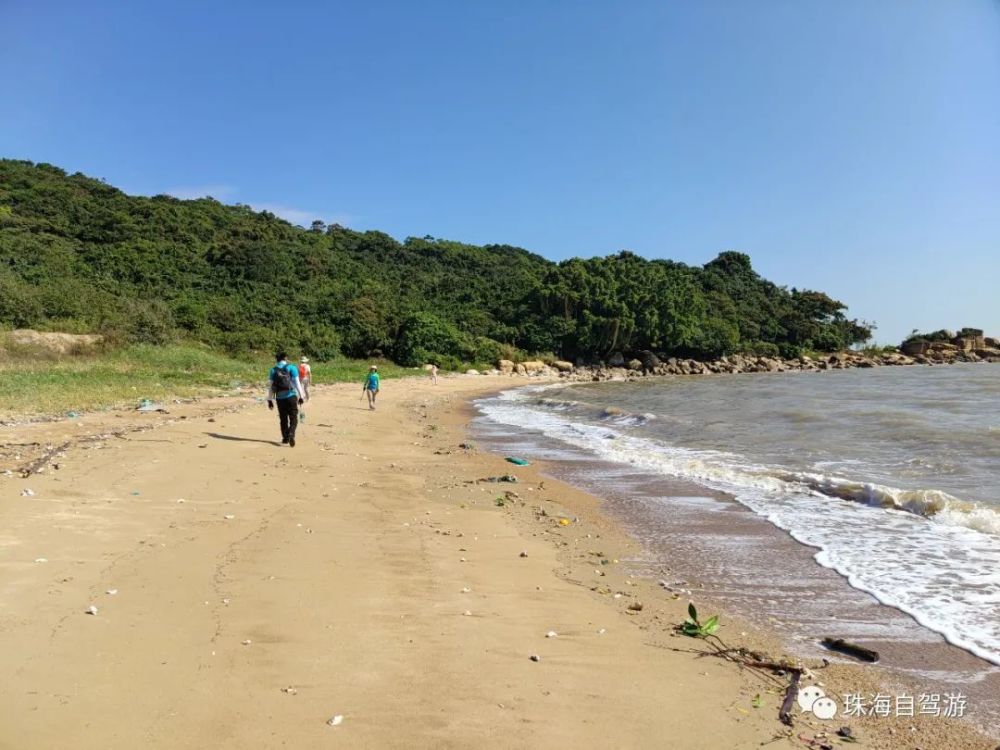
(517, 461)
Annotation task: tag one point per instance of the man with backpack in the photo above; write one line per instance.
(286, 389)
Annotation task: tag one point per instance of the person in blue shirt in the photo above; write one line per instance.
(285, 388)
(371, 386)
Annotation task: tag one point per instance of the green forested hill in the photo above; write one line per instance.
(79, 255)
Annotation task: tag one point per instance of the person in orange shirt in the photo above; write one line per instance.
(305, 375)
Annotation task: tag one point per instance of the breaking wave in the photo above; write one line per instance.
(903, 546)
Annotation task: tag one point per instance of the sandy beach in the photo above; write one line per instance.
(247, 593)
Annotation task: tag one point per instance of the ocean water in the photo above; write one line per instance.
(889, 477)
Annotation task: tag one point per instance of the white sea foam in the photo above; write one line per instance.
(905, 547)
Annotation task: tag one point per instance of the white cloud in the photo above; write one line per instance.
(219, 192)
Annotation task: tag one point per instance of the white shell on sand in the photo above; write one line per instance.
(335, 720)
(247, 642)
(91, 610)
(111, 592)
(552, 634)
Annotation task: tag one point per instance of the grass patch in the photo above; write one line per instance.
(40, 383)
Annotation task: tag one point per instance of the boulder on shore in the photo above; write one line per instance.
(649, 360)
(563, 366)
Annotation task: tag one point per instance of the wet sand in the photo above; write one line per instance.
(363, 574)
(702, 541)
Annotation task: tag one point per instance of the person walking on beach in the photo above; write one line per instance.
(305, 375)
(434, 374)
(371, 385)
(286, 389)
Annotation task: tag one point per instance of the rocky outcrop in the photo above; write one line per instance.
(646, 364)
(945, 346)
(915, 348)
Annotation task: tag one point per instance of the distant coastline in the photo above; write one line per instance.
(958, 349)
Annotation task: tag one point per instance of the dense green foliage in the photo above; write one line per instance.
(79, 255)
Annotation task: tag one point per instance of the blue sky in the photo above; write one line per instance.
(846, 145)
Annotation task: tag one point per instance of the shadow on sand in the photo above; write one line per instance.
(219, 436)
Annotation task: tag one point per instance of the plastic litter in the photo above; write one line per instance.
(27, 492)
(517, 461)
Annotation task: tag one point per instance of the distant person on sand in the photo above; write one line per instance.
(305, 375)
(371, 385)
(286, 389)
(434, 374)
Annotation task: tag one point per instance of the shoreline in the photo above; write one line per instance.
(754, 632)
(345, 564)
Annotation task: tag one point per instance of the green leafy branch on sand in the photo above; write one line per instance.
(782, 673)
(697, 629)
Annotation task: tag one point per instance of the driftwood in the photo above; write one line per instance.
(850, 649)
(770, 669)
(785, 712)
